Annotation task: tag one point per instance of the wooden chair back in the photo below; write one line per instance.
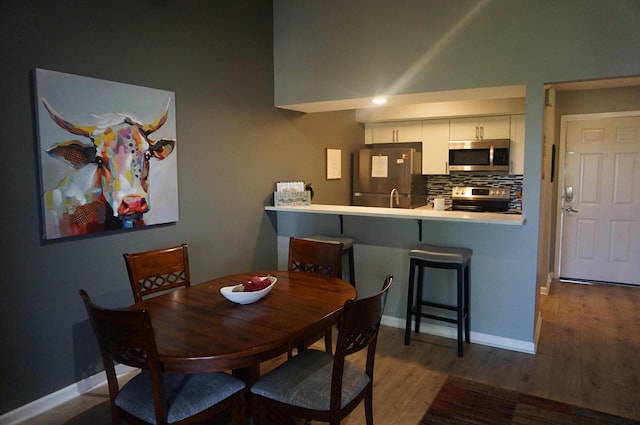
(315, 256)
(311, 256)
(159, 270)
(358, 330)
(126, 337)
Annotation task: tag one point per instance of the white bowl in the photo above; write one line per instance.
(247, 297)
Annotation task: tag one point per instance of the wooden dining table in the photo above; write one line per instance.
(198, 330)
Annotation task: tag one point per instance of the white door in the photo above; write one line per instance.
(599, 212)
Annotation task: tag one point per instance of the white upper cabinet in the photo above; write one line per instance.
(435, 147)
(436, 133)
(516, 147)
(495, 127)
(393, 132)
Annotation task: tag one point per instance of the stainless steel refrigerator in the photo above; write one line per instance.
(389, 177)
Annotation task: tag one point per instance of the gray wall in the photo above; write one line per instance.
(233, 145)
(332, 49)
(597, 100)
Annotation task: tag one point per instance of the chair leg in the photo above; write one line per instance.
(368, 405)
(259, 415)
(237, 411)
(115, 418)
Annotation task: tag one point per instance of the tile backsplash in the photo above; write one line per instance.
(441, 185)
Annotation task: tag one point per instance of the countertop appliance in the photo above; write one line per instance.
(388, 177)
(481, 199)
(485, 155)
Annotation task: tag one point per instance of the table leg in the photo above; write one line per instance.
(249, 375)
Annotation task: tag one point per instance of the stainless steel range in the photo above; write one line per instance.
(481, 199)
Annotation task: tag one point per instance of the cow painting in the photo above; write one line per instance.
(107, 186)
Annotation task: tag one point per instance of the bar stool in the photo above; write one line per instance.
(439, 257)
(347, 249)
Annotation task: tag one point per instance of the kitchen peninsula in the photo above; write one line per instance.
(421, 213)
(502, 306)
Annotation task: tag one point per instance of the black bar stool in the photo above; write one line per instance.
(439, 257)
(347, 249)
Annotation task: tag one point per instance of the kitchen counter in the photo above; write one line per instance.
(422, 213)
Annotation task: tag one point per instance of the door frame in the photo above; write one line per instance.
(564, 120)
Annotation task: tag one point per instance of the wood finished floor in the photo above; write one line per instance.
(588, 355)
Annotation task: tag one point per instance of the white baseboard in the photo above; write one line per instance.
(40, 406)
(536, 336)
(476, 337)
(544, 290)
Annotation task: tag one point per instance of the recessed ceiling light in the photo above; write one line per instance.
(379, 100)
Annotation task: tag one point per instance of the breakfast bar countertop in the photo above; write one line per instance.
(422, 213)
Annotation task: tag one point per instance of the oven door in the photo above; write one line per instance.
(479, 205)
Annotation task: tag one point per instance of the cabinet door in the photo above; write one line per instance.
(409, 132)
(516, 150)
(464, 129)
(395, 132)
(435, 147)
(383, 132)
(497, 127)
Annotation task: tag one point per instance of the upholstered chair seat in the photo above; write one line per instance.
(186, 395)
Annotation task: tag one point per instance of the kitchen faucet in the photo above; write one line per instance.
(394, 190)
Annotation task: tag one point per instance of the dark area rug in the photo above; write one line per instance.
(461, 401)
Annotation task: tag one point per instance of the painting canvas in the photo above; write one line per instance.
(108, 155)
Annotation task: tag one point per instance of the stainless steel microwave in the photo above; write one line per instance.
(484, 155)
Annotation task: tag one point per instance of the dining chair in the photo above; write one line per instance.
(313, 256)
(307, 255)
(347, 250)
(153, 397)
(159, 270)
(320, 386)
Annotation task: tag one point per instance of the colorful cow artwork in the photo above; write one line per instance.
(108, 186)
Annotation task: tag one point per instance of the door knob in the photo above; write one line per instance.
(570, 210)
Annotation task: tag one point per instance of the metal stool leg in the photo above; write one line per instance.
(352, 268)
(460, 307)
(407, 330)
(467, 326)
(419, 295)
